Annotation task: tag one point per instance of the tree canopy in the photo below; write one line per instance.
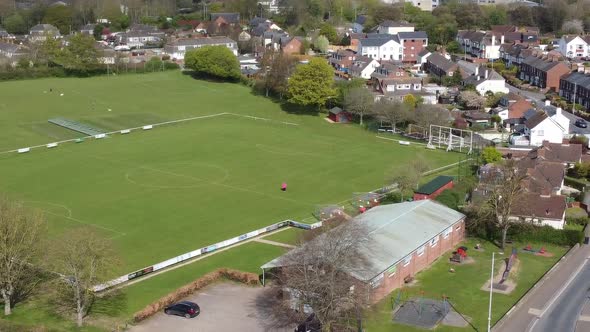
(312, 83)
(215, 61)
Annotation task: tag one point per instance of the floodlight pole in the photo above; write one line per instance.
(491, 290)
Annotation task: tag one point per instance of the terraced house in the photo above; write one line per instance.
(575, 88)
(544, 73)
(480, 44)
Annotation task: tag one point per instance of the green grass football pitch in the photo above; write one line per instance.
(176, 188)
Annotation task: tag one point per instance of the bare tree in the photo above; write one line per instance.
(317, 274)
(505, 189)
(20, 232)
(393, 112)
(573, 27)
(278, 67)
(472, 99)
(359, 101)
(426, 115)
(85, 259)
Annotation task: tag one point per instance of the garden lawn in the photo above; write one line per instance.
(163, 192)
(463, 287)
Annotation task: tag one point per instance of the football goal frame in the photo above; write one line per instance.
(450, 138)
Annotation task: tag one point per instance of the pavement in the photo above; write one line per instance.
(224, 307)
(559, 302)
(538, 98)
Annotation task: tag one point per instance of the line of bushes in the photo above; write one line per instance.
(546, 234)
(576, 183)
(247, 278)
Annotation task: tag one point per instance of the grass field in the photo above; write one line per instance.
(176, 188)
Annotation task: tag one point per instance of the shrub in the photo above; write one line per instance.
(186, 290)
(576, 183)
(546, 234)
(451, 198)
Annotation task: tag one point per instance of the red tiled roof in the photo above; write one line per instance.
(517, 109)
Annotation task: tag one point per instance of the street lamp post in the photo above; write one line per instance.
(491, 291)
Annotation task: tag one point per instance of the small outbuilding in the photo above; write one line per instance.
(339, 115)
(433, 188)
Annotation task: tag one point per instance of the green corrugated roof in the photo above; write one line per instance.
(434, 185)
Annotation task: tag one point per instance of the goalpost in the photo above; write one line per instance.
(450, 138)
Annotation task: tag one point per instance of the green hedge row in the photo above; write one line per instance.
(546, 234)
(576, 183)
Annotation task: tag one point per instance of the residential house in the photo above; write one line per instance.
(412, 43)
(405, 238)
(485, 79)
(385, 47)
(40, 32)
(342, 61)
(363, 67)
(291, 45)
(425, 5)
(138, 39)
(575, 88)
(477, 118)
(394, 27)
(433, 188)
(514, 113)
(177, 49)
(4, 35)
(88, 29)
(13, 52)
(399, 87)
(359, 24)
(480, 44)
(273, 6)
(220, 19)
(514, 54)
(540, 210)
(528, 36)
(244, 36)
(572, 46)
(543, 127)
(543, 73)
(422, 57)
(272, 39)
(440, 65)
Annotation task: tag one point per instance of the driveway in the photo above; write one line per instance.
(224, 307)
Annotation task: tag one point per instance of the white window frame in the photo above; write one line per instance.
(407, 260)
(447, 232)
(434, 241)
(421, 250)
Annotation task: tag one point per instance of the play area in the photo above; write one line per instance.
(426, 313)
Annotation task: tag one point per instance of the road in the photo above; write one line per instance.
(557, 303)
(536, 97)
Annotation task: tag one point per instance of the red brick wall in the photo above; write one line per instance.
(554, 75)
(411, 55)
(418, 262)
(419, 197)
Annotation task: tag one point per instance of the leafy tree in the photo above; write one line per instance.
(97, 32)
(342, 88)
(80, 55)
(405, 178)
(86, 259)
(217, 61)
(359, 101)
(329, 32)
(321, 44)
(59, 16)
(20, 232)
(410, 101)
(454, 47)
(345, 40)
(491, 155)
(450, 198)
(15, 24)
(581, 170)
(312, 83)
(493, 99)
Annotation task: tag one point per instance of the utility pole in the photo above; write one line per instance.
(491, 291)
(574, 104)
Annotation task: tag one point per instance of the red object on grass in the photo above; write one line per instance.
(362, 209)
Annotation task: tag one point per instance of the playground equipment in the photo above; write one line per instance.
(509, 263)
(460, 255)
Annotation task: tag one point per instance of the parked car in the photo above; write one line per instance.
(581, 123)
(186, 309)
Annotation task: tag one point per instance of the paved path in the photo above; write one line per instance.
(555, 303)
(224, 307)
